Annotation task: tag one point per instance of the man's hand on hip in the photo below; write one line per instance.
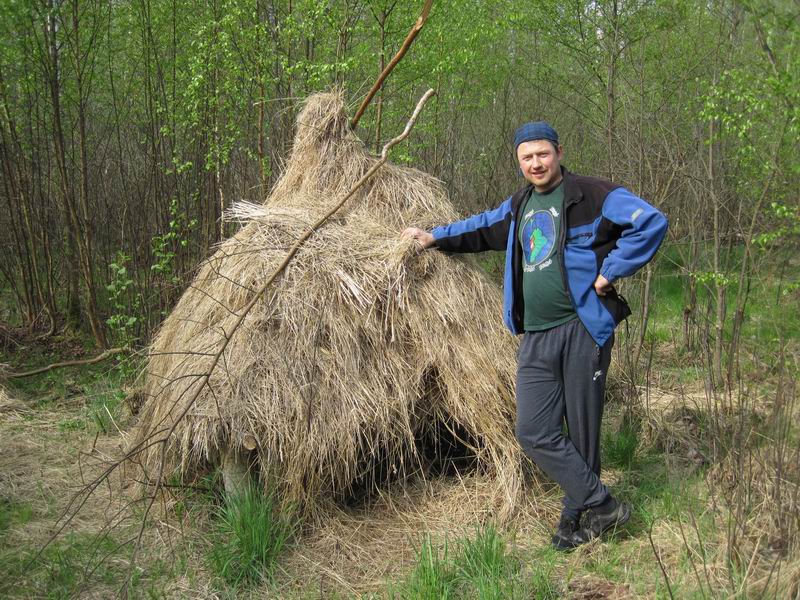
(602, 285)
(422, 237)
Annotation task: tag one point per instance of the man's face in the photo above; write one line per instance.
(540, 163)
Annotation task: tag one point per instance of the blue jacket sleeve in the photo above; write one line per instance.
(485, 231)
(643, 230)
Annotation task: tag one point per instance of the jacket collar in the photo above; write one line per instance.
(572, 191)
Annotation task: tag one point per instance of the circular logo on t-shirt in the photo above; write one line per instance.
(538, 238)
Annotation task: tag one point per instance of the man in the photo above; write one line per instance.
(567, 239)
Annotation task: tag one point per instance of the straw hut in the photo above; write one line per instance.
(366, 362)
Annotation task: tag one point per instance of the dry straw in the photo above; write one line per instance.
(360, 350)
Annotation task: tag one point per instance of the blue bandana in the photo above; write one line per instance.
(535, 131)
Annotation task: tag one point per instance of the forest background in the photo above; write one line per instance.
(127, 128)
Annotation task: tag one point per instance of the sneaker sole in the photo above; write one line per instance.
(564, 545)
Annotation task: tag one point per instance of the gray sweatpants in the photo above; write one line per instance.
(561, 376)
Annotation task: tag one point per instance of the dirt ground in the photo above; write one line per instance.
(46, 459)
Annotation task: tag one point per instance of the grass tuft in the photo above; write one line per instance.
(486, 566)
(251, 534)
(483, 569)
(432, 577)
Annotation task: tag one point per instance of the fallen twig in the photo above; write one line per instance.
(69, 363)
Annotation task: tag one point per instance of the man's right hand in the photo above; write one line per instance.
(422, 237)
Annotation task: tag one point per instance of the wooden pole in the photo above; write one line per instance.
(421, 20)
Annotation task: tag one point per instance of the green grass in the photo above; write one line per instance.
(657, 484)
(659, 489)
(79, 401)
(486, 565)
(433, 575)
(103, 410)
(74, 563)
(78, 564)
(619, 447)
(62, 570)
(13, 513)
(772, 305)
(250, 535)
(656, 492)
(482, 567)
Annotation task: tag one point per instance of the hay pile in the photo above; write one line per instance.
(363, 354)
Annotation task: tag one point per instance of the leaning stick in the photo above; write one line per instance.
(421, 20)
(204, 379)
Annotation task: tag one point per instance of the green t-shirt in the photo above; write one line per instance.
(546, 300)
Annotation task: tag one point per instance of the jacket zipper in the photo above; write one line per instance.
(562, 246)
(515, 249)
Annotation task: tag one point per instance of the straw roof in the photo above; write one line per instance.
(361, 352)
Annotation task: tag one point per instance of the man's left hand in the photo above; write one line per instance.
(602, 285)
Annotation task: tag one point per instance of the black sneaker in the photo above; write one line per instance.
(597, 521)
(564, 537)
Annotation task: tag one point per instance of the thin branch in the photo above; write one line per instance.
(658, 559)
